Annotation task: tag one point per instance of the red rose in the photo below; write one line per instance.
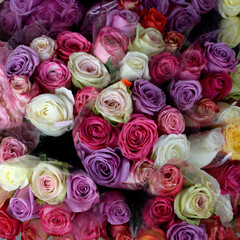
(153, 19)
(216, 86)
(151, 234)
(159, 211)
(120, 232)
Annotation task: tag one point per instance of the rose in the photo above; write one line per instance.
(52, 113)
(161, 7)
(194, 203)
(56, 220)
(70, 42)
(22, 205)
(106, 166)
(6, 50)
(9, 20)
(82, 192)
(220, 57)
(153, 19)
(147, 98)
(182, 18)
(5, 119)
(193, 64)
(216, 86)
(53, 74)
(84, 96)
(128, 4)
(173, 41)
(159, 211)
(236, 76)
(230, 31)
(151, 234)
(203, 6)
(87, 71)
(114, 103)
(134, 66)
(124, 20)
(227, 113)
(4, 196)
(148, 41)
(57, 28)
(114, 206)
(166, 181)
(184, 230)
(120, 232)
(170, 121)
(44, 46)
(202, 114)
(23, 61)
(9, 227)
(137, 137)
(33, 230)
(169, 147)
(97, 133)
(204, 147)
(68, 236)
(111, 45)
(228, 8)
(10, 148)
(23, 8)
(72, 15)
(163, 67)
(185, 93)
(48, 182)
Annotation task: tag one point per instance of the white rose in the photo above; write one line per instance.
(204, 147)
(229, 8)
(134, 66)
(236, 75)
(87, 71)
(169, 147)
(227, 112)
(149, 41)
(44, 46)
(230, 31)
(52, 113)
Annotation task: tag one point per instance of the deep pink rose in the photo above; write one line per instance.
(110, 43)
(137, 137)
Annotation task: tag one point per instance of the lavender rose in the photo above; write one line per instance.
(203, 6)
(185, 94)
(22, 61)
(81, 192)
(23, 7)
(160, 6)
(147, 98)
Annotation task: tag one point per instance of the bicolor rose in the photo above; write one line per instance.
(173, 41)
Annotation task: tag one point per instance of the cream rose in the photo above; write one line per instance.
(229, 8)
(148, 41)
(230, 31)
(169, 147)
(204, 147)
(52, 113)
(87, 71)
(236, 75)
(44, 46)
(227, 112)
(134, 66)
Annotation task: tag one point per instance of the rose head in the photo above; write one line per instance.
(120, 232)
(128, 4)
(203, 6)
(173, 41)
(161, 6)
(153, 233)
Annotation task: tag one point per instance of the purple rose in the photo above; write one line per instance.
(22, 205)
(10, 21)
(160, 6)
(147, 98)
(22, 61)
(82, 192)
(179, 2)
(185, 93)
(23, 7)
(182, 18)
(114, 207)
(220, 57)
(183, 230)
(71, 15)
(66, 3)
(124, 20)
(203, 6)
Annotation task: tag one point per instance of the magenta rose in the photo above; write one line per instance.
(170, 121)
(53, 74)
(110, 43)
(137, 137)
(164, 66)
(71, 14)
(216, 86)
(193, 63)
(70, 42)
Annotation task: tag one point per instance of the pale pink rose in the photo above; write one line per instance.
(11, 148)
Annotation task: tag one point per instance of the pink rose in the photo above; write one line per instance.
(53, 74)
(166, 181)
(110, 43)
(5, 121)
(137, 137)
(170, 121)
(5, 50)
(173, 41)
(11, 148)
(56, 220)
(193, 63)
(70, 42)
